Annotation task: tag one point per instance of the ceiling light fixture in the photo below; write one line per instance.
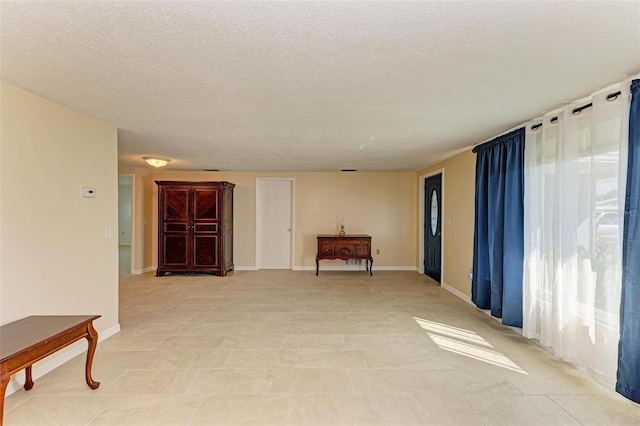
(156, 162)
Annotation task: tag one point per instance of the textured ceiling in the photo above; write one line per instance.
(314, 85)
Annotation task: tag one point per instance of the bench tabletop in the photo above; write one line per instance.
(23, 335)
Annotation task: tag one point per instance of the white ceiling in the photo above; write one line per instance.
(314, 85)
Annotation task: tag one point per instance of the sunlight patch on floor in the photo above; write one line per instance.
(454, 332)
(467, 343)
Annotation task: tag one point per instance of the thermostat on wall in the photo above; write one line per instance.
(88, 192)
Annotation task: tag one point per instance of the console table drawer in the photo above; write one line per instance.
(363, 250)
(327, 250)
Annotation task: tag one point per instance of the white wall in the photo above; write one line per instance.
(54, 257)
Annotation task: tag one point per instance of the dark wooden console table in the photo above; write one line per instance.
(344, 247)
(24, 342)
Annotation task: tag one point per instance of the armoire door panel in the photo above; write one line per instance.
(176, 204)
(176, 227)
(206, 204)
(175, 253)
(205, 251)
(205, 227)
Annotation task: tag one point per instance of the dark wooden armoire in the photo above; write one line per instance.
(195, 227)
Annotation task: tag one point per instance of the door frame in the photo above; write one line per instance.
(258, 235)
(133, 257)
(422, 224)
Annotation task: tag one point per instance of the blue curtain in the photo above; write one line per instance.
(498, 243)
(628, 383)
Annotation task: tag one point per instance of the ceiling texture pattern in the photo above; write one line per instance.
(314, 86)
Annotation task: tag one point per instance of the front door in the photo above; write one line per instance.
(433, 226)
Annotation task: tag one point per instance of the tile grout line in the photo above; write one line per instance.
(202, 398)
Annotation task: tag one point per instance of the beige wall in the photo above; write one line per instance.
(458, 194)
(54, 257)
(380, 204)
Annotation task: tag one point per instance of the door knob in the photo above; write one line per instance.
(288, 229)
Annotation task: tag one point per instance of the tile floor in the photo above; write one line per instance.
(290, 348)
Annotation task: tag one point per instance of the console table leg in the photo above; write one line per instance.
(317, 266)
(92, 338)
(371, 267)
(28, 381)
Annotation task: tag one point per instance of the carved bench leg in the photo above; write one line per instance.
(28, 381)
(92, 338)
(4, 381)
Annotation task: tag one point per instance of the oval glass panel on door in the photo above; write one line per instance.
(434, 213)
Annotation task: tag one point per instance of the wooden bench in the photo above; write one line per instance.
(31, 339)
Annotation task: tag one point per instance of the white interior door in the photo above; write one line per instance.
(274, 228)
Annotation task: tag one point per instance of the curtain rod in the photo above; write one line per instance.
(499, 139)
(610, 97)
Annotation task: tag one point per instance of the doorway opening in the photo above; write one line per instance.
(125, 223)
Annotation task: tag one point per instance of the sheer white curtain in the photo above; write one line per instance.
(575, 168)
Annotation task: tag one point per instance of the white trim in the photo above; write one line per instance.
(354, 268)
(245, 268)
(132, 177)
(422, 225)
(144, 271)
(52, 362)
(458, 293)
(292, 200)
(394, 268)
(487, 312)
(256, 241)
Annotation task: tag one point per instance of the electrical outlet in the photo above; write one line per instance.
(377, 251)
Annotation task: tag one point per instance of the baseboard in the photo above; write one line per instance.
(153, 268)
(144, 271)
(394, 268)
(458, 293)
(353, 268)
(467, 299)
(54, 361)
